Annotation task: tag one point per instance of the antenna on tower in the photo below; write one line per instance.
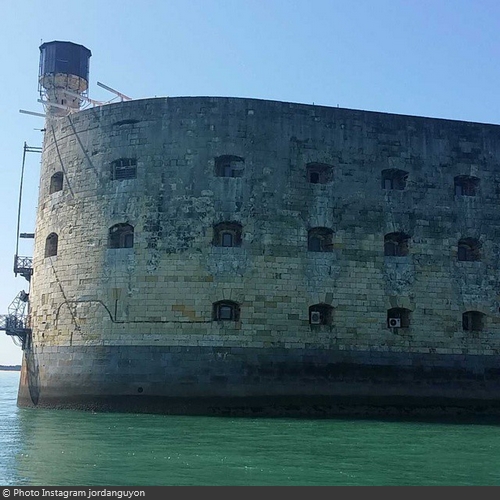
(31, 113)
(123, 97)
(55, 105)
(84, 98)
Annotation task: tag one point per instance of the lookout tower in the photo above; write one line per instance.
(63, 76)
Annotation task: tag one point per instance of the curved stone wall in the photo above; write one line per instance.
(109, 321)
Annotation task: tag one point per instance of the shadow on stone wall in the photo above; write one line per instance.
(32, 375)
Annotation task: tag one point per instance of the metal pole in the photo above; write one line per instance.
(20, 198)
(28, 149)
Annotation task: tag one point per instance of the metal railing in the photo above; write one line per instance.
(23, 266)
(16, 322)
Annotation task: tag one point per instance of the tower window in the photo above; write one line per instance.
(229, 166)
(51, 245)
(473, 321)
(121, 236)
(398, 317)
(320, 314)
(56, 182)
(226, 310)
(319, 173)
(396, 244)
(468, 250)
(466, 185)
(227, 234)
(393, 178)
(124, 168)
(227, 239)
(320, 239)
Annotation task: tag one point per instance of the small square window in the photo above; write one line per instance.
(314, 177)
(227, 234)
(320, 239)
(56, 182)
(466, 185)
(396, 245)
(124, 168)
(319, 173)
(121, 236)
(398, 318)
(227, 239)
(473, 321)
(314, 244)
(394, 179)
(225, 312)
(229, 166)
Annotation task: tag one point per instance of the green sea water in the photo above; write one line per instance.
(71, 448)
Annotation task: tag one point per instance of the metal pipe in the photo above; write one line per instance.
(20, 198)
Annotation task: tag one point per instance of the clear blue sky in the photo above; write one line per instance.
(437, 58)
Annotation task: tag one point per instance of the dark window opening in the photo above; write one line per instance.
(229, 166)
(394, 178)
(472, 321)
(320, 314)
(466, 185)
(396, 244)
(51, 245)
(469, 250)
(56, 182)
(398, 317)
(226, 310)
(227, 234)
(124, 168)
(314, 244)
(121, 236)
(320, 239)
(227, 239)
(319, 173)
(314, 178)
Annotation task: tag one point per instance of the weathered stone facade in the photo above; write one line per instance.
(138, 321)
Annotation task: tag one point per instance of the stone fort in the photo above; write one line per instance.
(229, 255)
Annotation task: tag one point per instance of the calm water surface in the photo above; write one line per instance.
(71, 448)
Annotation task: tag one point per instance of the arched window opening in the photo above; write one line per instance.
(319, 173)
(56, 182)
(393, 178)
(398, 317)
(320, 239)
(51, 245)
(121, 236)
(469, 250)
(466, 185)
(229, 166)
(226, 310)
(396, 244)
(320, 314)
(473, 321)
(227, 234)
(124, 168)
